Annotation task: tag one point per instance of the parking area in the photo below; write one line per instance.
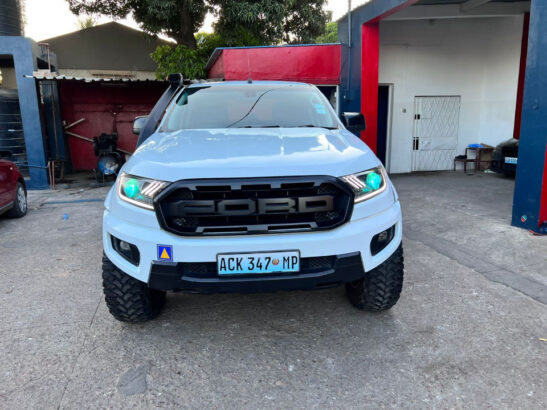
(467, 331)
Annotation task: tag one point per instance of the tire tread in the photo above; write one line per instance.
(381, 287)
(128, 299)
(15, 211)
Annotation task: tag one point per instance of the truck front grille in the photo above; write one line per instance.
(253, 205)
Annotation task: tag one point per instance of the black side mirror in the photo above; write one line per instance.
(138, 124)
(354, 122)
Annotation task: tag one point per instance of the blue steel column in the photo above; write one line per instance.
(21, 50)
(350, 74)
(533, 133)
(53, 121)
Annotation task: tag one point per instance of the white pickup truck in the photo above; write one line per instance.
(250, 187)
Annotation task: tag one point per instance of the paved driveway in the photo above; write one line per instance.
(465, 333)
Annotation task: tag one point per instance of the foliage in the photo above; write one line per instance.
(178, 19)
(330, 35)
(181, 59)
(239, 22)
(271, 21)
(86, 22)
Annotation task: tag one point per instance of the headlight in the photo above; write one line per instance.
(139, 191)
(367, 184)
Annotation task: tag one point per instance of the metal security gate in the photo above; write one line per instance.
(435, 135)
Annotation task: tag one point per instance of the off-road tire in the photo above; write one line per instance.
(20, 204)
(128, 299)
(381, 287)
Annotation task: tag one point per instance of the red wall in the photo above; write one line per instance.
(316, 64)
(370, 52)
(106, 107)
(522, 75)
(543, 203)
(217, 70)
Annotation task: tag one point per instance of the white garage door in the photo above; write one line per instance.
(435, 135)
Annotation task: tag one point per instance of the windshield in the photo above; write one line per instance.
(249, 106)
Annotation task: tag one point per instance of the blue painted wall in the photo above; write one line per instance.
(533, 132)
(21, 49)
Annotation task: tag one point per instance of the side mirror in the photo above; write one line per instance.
(138, 124)
(354, 122)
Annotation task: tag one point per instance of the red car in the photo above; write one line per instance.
(13, 191)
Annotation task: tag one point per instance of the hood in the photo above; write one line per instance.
(240, 152)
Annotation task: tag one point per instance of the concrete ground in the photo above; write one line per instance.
(466, 332)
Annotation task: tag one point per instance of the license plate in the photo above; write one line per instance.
(511, 160)
(257, 263)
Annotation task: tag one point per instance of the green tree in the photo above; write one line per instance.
(178, 19)
(239, 23)
(86, 22)
(330, 35)
(262, 21)
(181, 59)
(271, 21)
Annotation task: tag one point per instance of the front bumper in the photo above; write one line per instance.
(180, 276)
(140, 228)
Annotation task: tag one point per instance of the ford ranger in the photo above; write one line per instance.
(250, 187)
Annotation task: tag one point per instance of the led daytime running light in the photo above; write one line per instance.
(367, 184)
(139, 191)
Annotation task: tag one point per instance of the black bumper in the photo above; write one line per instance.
(319, 272)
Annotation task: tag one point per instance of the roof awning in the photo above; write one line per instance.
(44, 75)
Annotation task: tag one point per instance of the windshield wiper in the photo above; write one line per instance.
(254, 105)
(260, 126)
(287, 126)
(314, 126)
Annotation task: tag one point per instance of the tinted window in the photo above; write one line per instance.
(249, 106)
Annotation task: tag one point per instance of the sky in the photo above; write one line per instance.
(51, 18)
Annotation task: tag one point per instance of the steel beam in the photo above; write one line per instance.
(24, 61)
(359, 72)
(530, 198)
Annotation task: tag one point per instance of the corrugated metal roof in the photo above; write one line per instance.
(53, 76)
(38, 75)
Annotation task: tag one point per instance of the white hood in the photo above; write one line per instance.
(233, 153)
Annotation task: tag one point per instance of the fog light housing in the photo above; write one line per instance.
(124, 246)
(381, 240)
(126, 250)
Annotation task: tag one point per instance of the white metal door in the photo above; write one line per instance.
(436, 121)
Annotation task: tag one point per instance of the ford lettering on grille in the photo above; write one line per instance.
(253, 205)
(260, 206)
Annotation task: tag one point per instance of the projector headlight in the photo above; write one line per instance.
(139, 191)
(367, 184)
